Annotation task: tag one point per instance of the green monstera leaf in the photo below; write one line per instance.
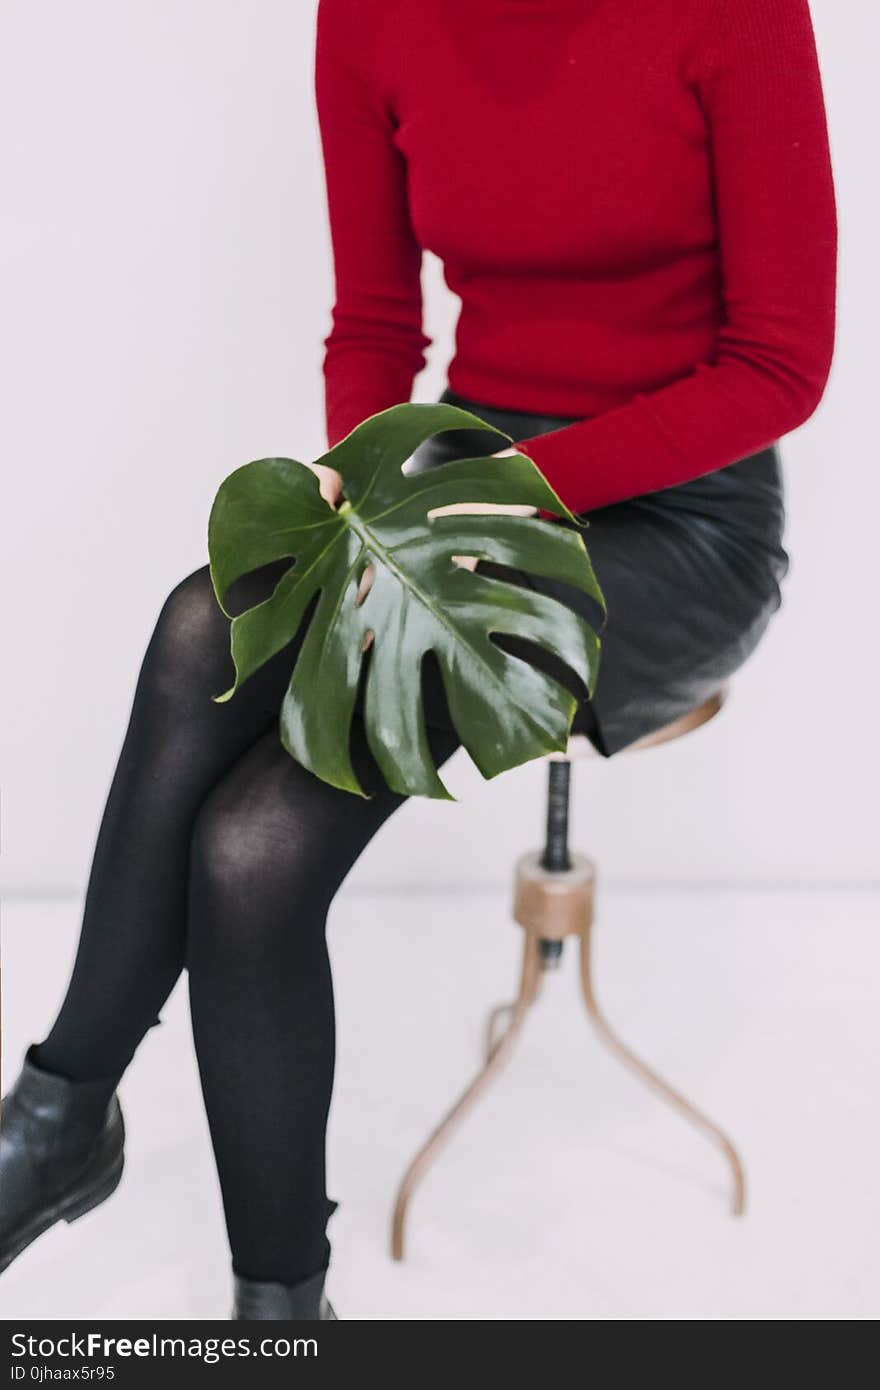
(422, 600)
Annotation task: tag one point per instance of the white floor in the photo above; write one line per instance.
(571, 1193)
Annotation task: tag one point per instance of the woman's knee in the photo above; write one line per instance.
(232, 853)
(191, 636)
(253, 897)
(267, 854)
(191, 628)
(251, 876)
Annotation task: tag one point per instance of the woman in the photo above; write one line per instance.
(635, 204)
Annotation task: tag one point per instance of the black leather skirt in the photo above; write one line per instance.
(691, 576)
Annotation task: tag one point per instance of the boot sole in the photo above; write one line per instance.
(68, 1209)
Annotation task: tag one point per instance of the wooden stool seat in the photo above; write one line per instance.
(579, 746)
(554, 897)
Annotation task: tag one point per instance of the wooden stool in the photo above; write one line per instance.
(553, 899)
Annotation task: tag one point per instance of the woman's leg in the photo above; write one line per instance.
(178, 744)
(271, 846)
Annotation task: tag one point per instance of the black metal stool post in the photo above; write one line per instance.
(556, 858)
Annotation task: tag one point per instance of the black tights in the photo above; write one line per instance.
(219, 853)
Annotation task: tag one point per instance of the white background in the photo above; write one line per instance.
(166, 286)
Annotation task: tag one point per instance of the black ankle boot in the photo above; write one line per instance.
(304, 1302)
(61, 1152)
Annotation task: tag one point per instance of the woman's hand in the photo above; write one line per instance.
(331, 490)
(512, 510)
(330, 487)
(484, 508)
(329, 482)
(469, 562)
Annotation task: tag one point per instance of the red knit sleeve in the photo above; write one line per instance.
(777, 234)
(376, 345)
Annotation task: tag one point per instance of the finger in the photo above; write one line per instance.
(330, 490)
(483, 509)
(365, 585)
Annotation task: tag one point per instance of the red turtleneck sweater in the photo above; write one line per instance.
(633, 200)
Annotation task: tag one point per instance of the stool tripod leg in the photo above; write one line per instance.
(498, 1023)
(529, 979)
(494, 1030)
(657, 1084)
